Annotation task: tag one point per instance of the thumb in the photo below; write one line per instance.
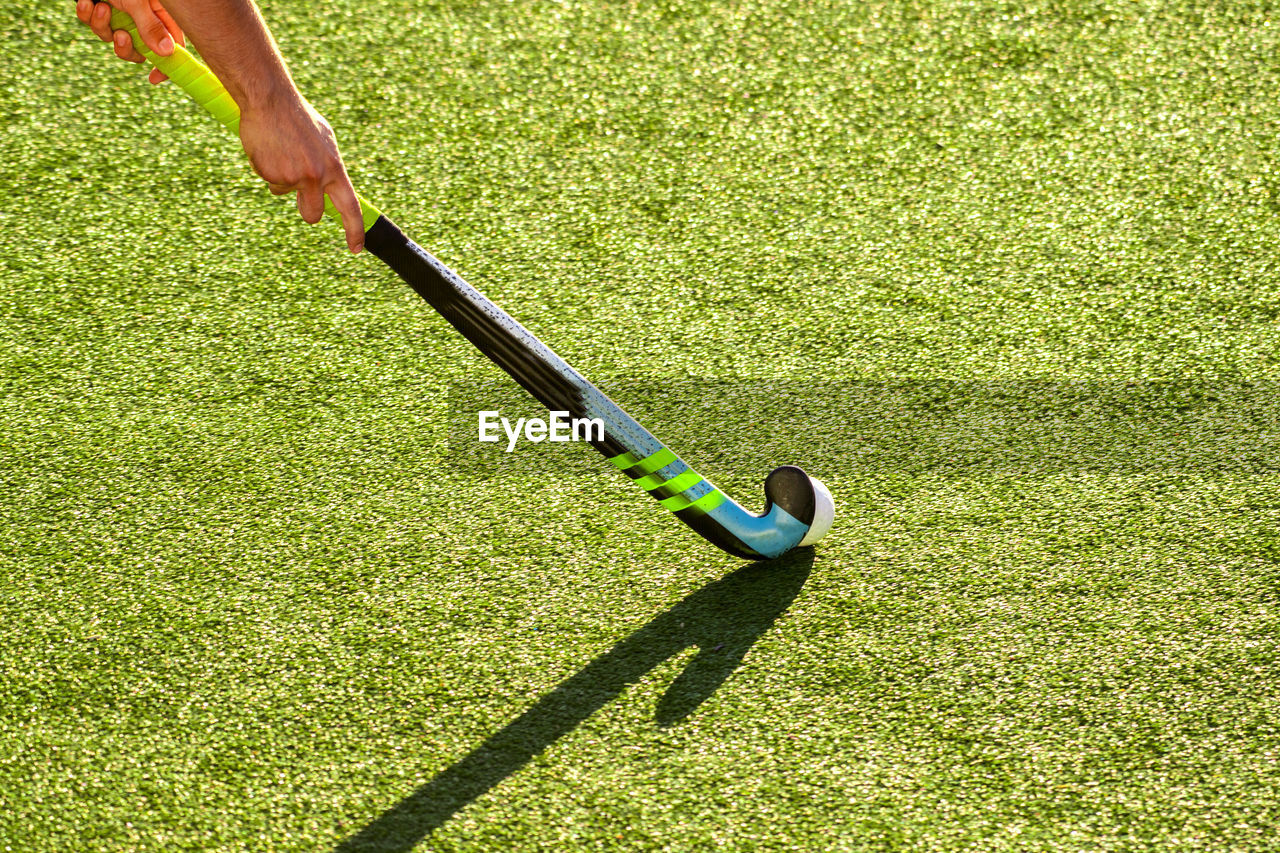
(152, 30)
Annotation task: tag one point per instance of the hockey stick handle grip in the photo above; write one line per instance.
(194, 77)
(188, 73)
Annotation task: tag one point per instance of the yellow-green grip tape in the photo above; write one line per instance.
(194, 78)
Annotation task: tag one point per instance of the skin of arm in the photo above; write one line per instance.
(290, 145)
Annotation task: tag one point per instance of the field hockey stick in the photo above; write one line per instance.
(798, 509)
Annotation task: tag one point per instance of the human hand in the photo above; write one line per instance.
(156, 26)
(293, 149)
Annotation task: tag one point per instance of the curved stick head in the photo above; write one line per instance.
(803, 498)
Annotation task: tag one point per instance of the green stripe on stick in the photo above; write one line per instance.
(704, 504)
(677, 484)
(624, 461)
(639, 467)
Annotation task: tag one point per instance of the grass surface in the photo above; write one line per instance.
(1004, 276)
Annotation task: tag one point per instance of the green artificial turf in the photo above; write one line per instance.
(1003, 275)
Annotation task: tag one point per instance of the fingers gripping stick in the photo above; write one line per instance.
(194, 77)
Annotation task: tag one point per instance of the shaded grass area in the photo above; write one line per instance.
(1004, 277)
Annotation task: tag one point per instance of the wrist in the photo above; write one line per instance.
(269, 97)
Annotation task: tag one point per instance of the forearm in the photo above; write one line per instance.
(236, 44)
